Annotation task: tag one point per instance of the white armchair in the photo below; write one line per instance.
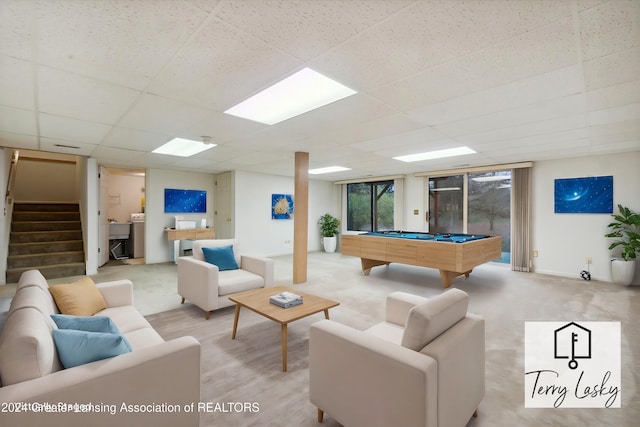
(422, 366)
(204, 285)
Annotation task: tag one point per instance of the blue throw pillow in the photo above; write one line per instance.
(222, 256)
(79, 347)
(85, 323)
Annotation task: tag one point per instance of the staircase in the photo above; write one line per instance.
(46, 237)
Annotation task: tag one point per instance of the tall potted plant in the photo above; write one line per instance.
(626, 229)
(329, 226)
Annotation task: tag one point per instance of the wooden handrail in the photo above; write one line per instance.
(12, 173)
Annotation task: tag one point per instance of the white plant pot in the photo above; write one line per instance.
(622, 271)
(330, 244)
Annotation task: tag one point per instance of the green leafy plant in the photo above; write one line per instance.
(329, 225)
(626, 228)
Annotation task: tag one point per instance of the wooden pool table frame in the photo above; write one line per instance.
(452, 259)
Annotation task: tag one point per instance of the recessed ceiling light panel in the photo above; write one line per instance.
(439, 154)
(328, 169)
(299, 93)
(183, 147)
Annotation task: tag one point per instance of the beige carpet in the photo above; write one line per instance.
(248, 369)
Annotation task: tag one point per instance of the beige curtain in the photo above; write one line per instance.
(521, 219)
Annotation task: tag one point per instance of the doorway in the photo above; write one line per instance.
(122, 206)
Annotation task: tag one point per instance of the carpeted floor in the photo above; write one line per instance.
(248, 369)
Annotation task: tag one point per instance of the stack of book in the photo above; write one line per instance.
(286, 299)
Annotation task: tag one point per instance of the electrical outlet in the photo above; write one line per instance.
(589, 260)
(535, 254)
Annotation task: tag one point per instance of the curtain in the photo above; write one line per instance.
(521, 218)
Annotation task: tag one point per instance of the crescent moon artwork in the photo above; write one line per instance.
(584, 195)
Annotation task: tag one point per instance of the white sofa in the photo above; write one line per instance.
(204, 285)
(422, 366)
(36, 388)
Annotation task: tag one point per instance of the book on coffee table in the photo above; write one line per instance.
(286, 299)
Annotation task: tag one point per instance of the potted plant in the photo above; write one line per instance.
(329, 226)
(625, 228)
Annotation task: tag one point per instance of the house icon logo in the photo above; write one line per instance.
(572, 341)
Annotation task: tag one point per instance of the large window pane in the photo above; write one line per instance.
(446, 204)
(359, 207)
(490, 207)
(370, 206)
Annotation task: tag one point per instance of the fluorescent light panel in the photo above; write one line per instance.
(183, 147)
(299, 93)
(439, 154)
(328, 169)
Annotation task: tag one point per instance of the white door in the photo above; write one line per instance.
(103, 224)
(223, 205)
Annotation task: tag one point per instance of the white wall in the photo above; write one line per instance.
(257, 232)
(564, 241)
(88, 189)
(125, 192)
(157, 247)
(44, 181)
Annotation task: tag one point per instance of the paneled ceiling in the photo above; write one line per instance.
(519, 80)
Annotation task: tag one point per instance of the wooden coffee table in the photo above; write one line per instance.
(258, 300)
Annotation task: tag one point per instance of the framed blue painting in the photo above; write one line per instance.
(583, 195)
(281, 206)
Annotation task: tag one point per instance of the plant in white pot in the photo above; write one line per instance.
(625, 228)
(329, 226)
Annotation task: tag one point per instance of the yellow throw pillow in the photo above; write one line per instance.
(79, 298)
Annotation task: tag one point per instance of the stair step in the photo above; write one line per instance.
(45, 236)
(48, 271)
(44, 226)
(45, 247)
(46, 207)
(39, 260)
(45, 216)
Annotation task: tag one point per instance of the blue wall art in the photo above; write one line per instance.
(185, 201)
(281, 206)
(584, 195)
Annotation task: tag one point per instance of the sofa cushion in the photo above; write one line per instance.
(80, 298)
(79, 347)
(145, 337)
(126, 318)
(32, 278)
(222, 256)
(85, 323)
(234, 281)
(428, 320)
(27, 350)
(34, 297)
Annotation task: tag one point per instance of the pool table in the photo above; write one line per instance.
(453, 254)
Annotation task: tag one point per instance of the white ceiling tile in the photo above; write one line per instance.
(609, 28)
(220, 126)
(206, 5)
(158, 114)
(109, 154)
(16, 83)
(536, 89)
(17, 140)
(124, 42)
(66, 147)
(15, 120)
(614, 115)
(305, 29)
(615, 69)
(120, 137)
(70, 95)
(630, 128)
(222, 66)
(16, 29)
(613, 96)
(64, 128)
(555, 108)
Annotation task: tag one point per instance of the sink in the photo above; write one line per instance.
(119, 230)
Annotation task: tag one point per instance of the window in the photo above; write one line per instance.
(473, 203)
(370, 206)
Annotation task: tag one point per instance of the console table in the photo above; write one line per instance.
(175, 235)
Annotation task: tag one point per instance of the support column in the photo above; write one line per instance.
(300, 217)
